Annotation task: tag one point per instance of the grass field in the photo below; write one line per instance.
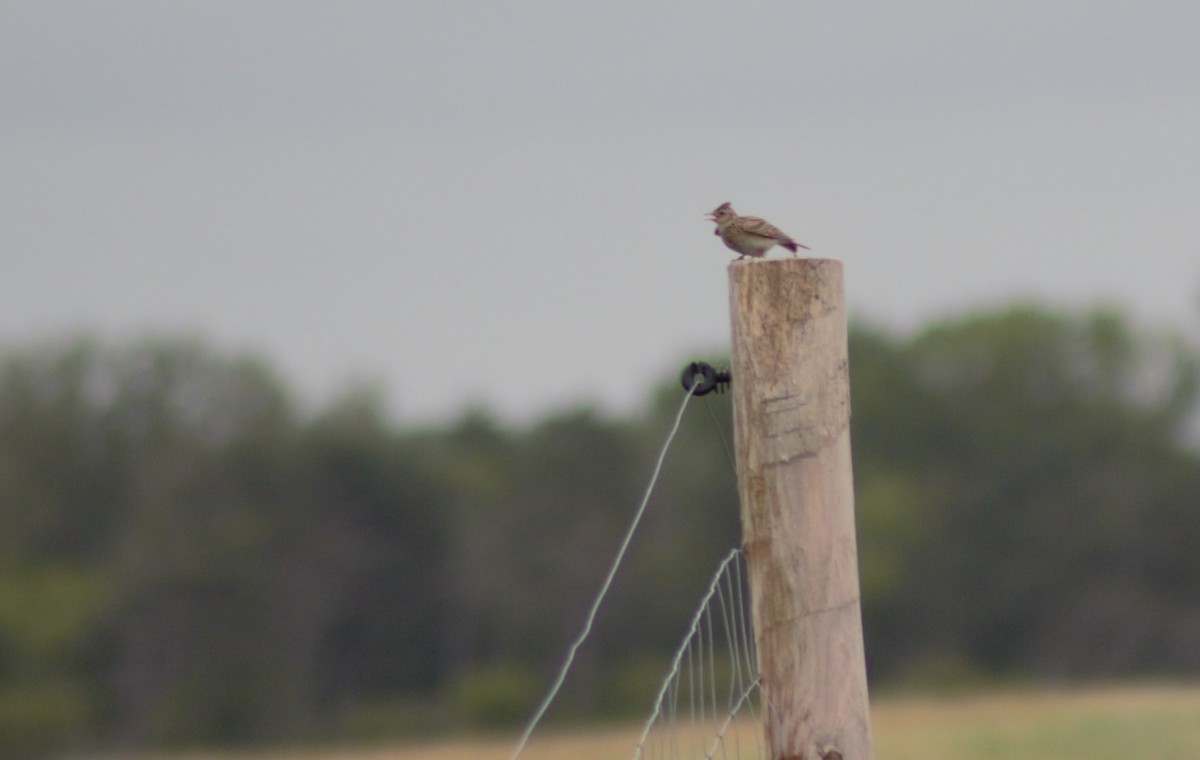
(1143, 722)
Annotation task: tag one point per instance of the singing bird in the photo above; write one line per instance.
(749, 235)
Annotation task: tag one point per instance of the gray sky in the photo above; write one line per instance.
(502, 202)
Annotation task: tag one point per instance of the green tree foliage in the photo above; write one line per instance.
(187, 558)
(193, 561)
(1027, 499)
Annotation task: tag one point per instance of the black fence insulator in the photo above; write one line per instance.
(702, 379)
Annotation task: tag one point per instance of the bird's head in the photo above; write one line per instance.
(721, 214)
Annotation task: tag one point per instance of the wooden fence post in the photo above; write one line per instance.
(791, 414)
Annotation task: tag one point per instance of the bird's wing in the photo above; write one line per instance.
(761, 227)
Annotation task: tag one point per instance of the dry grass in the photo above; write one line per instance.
(1146, 722)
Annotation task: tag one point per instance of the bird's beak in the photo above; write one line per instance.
(710, 216)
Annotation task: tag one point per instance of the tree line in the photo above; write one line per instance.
(188, 558)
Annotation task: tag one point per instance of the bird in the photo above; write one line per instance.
(749, 235)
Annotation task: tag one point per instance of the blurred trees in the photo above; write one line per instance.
(1027, 497)
(186, 558)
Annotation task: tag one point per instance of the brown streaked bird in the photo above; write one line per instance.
(749, 235)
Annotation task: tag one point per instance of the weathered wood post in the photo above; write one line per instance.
(791, 415)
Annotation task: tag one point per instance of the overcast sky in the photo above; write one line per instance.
(501, 202)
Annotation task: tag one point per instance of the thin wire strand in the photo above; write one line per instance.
(612, 573)
(684, 648)
(719, 738)
(694, 668)
(720, 433)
